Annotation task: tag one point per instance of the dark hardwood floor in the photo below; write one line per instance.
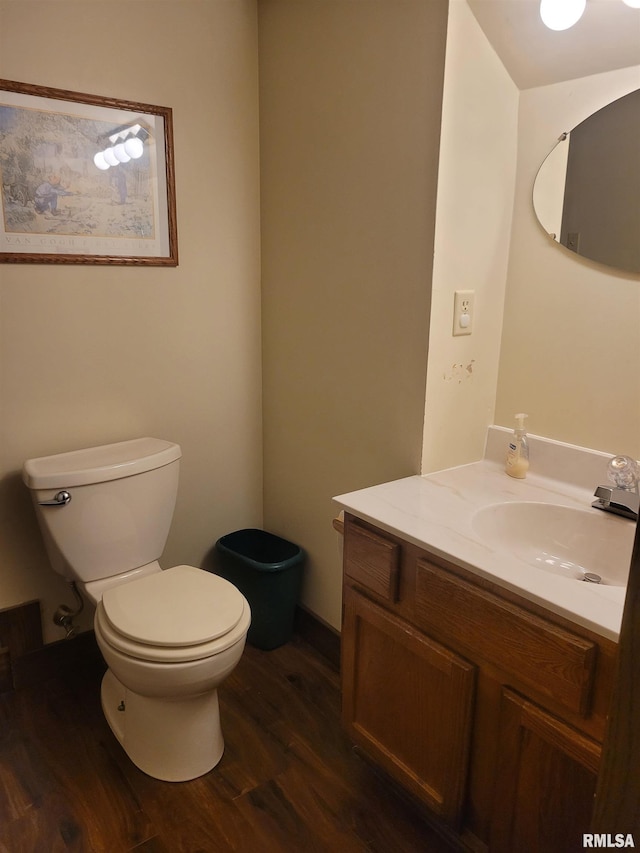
(289, 779)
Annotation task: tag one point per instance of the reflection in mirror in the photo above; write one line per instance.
(587, 192)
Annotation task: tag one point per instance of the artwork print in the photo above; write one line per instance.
(85, 179)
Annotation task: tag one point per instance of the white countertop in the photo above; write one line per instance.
(436, 512)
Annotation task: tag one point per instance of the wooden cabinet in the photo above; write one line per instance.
(407, 701)
(489, 709)
(372, 561)
(545, 783)
(540, 655)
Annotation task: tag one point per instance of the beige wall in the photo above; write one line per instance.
(350, 96)
(350, 112)
(571, 341)
(90, 355)
(568, 348)
(476, 180)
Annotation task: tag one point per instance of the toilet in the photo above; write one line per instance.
(169, 636)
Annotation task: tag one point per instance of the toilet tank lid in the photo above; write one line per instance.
(99, 464)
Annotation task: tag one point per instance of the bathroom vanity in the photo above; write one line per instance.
(476, 672)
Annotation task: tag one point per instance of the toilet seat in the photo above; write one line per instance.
(180, 614)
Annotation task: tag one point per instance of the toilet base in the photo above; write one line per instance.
(169, 739)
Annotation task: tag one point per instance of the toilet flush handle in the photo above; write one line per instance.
(61, 499)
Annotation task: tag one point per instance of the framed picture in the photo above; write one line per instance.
(85, 179)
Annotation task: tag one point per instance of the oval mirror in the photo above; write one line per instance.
(587, 192)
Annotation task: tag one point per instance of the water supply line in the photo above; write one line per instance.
(64, 615)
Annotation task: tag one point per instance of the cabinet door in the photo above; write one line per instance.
(546, 779)
(407, 701)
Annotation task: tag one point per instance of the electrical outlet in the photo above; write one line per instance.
(463, 312)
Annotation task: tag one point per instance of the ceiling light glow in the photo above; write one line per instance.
(562, 14)
(110, 157)
(100, 162)
(120, 153)
(134, 147)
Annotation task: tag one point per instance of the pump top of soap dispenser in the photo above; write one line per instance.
(520, 427)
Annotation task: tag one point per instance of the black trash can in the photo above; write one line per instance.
(268, 572)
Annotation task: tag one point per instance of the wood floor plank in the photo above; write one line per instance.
(74, 793)
(289, 779)
(289, 815)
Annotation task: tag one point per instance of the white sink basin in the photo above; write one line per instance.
(559, 539)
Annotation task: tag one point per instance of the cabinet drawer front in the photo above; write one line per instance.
(372, 561)
(536, 652)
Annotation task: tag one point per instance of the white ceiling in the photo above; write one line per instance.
(605, 38)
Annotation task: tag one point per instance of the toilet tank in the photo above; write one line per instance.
(122, 501)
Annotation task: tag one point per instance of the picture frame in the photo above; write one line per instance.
(85, 179)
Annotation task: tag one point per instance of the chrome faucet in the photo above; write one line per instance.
(618, 501)
(623, 498)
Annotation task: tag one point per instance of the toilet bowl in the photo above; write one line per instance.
(169, 637)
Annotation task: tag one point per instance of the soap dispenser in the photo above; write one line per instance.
(518, 451)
